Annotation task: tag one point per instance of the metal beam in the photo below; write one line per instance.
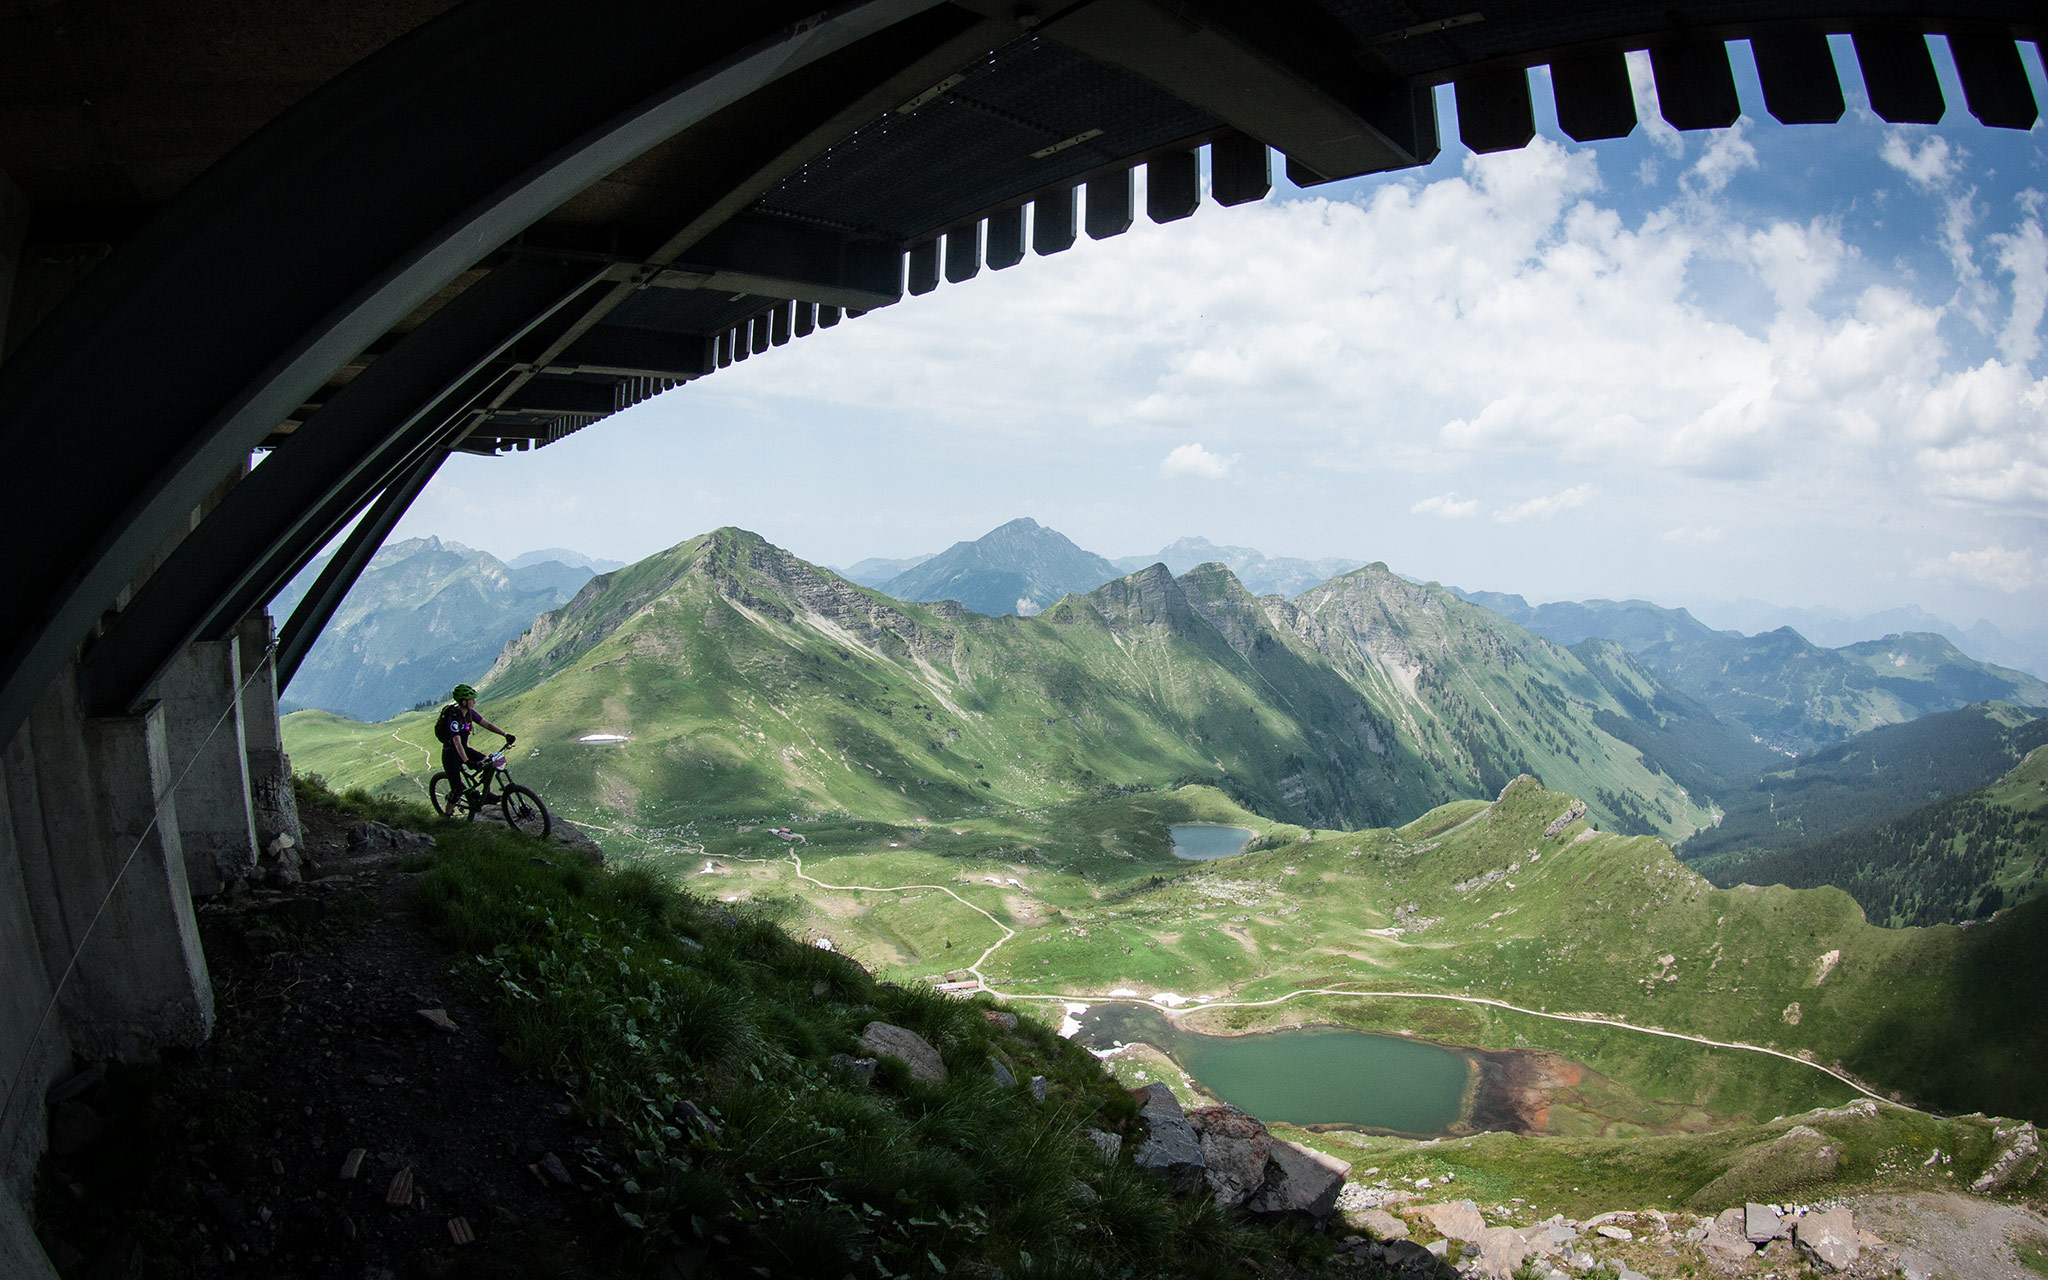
(461, 135)
(316, 608)
(1284, 72)
(213, 569)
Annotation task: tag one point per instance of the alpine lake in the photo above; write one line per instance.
(1305, 1075)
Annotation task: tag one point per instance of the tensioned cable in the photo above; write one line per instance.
(155, 815)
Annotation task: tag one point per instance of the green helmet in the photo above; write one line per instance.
(463, 693)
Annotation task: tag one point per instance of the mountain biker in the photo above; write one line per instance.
(452, 727)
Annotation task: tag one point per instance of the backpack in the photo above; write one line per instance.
(444, 724)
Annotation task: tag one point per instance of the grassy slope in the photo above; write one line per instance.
(1962, 857)
(1582, 926)
(753, 683)
(648, 1005)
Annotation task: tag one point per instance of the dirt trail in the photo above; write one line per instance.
(1963, 1237)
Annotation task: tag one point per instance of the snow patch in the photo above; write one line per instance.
(1070, 1026)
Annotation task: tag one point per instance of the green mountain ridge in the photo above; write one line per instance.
(746, 677)
(1261, 574)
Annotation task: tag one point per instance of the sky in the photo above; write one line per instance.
(1805, 365)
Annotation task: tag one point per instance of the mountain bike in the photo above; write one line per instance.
(487, 784)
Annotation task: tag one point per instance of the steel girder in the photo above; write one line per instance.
(182, 352)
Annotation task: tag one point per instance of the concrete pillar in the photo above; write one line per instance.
(30, 1044)
(111, 885)
(201, 696)
(275, 807)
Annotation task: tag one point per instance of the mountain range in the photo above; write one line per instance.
(1019, 568)
(1789, 693)
(748, 680)
(1261, 574)
(426, 614)
(2026, 650)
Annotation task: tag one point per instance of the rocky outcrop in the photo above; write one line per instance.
(887, 1040)
(1232, 1155)
(1171, 1148)
(1564, 820)
(2019, 1148)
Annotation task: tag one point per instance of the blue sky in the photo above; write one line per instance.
(1801, 364)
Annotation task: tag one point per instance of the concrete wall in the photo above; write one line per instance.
(202, 709)
(99, 949)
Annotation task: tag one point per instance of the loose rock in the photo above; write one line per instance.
(886, 1040)
(1830, 1238)
(1170, 1148)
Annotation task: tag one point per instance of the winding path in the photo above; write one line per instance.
(1596, 1020)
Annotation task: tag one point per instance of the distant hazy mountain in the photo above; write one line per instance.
(1261, 574)
(2024, 650)
(562, 555)
(1020, 568)
(1790, 693)
(425, 615)
(874, 571)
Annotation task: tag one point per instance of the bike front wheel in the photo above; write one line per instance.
(525, 813)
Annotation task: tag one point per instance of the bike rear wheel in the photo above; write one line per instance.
(524, 812)
(440, 792)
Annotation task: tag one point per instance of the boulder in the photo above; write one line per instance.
(1829, 1238)
(1170, 1148)
(1762, 1224)
(1458, 1220)
(1003, 1075)
(1497, 1253)
(886, 1040)
(1383, 1225)
(1106, 1143)
(1727, 1239)
(1001, 1019)
(375, 839)
(1299, 1181)
(1235, 1150)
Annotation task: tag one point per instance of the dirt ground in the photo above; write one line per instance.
(237, 1160)
(1954, 1237)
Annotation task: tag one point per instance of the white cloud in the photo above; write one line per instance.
(2023, 255)
(1993, 566)
(1728, 153)
(1445, 505)
(1687, 535)
(1546, 507)
(1194, 460)
(1930, 166)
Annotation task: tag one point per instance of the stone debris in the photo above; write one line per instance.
(440, 1018)
(998, 1018)
(1003, 1075)
(376, 840)
(1038, 1087)
(460, 1231)
(1615, 1233)
(400, 1190)
(886, 1040)
(551, 1165)
(352, 1164)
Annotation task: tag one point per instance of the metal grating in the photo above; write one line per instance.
(979, 143)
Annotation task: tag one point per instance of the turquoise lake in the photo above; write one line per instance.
(1308, 1075)
(1199, 842)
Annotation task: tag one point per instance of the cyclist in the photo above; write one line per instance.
(452, 727)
